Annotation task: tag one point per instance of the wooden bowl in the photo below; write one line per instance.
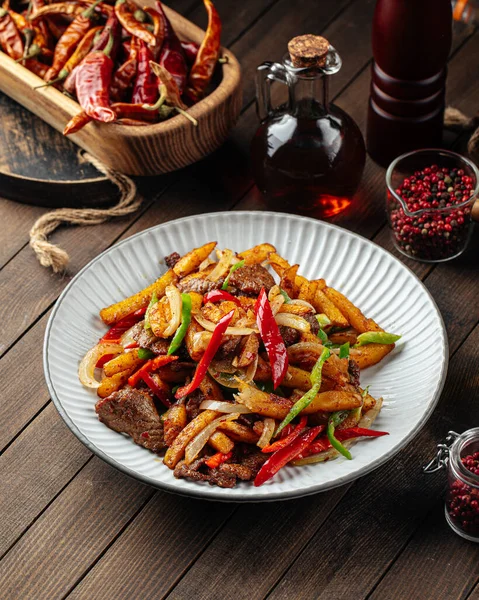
(150, 150)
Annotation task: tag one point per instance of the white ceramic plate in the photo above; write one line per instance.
(410, 379)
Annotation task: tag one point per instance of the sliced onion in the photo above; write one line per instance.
(229, 377)
(174, 297)
(197, 443)
(224, 407)
(302, 303)
(267, 434)
(200, 341)
(222, 266)
(293, 321)
(273, 292)
(127, 338)
(276, 304)
(206, 263)
(210, 326)
(86, 370)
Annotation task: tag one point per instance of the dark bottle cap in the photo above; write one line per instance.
(307, 51)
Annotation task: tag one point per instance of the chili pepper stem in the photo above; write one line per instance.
(188, 116)
(109, 46)
(159, 103)
(33, 51)
(88, 13)
(224, 59)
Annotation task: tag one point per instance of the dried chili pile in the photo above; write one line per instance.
(123, 64)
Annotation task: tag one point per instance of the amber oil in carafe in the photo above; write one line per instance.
(307, 155)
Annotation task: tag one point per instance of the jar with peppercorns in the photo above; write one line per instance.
(430, 198)
(460, 455)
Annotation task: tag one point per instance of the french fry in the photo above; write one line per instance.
(210, 389)
(220, 442)
(257, 254)
(280, 265)
(122, 309)
(351, 312)
(288, 281)
(368, 402)
(192, 260)
(122, 362)
(175, 452)
(323, 304)
(371, 354)
(174, 422)
(307, 291)
(341, 337)
(114, 383)
(239, 432)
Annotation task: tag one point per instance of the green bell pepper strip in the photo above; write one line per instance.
(376, 337)
(185, 321)
(153, 301)
(287, 299)
(344, 350)
(323, 320)
(236, 266)
(334, 420)
(306, 399)
(145, 353)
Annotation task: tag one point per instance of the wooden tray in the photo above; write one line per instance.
(158, 148)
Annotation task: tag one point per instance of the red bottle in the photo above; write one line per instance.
(411, 43)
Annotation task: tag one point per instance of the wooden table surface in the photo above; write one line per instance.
(71, 526)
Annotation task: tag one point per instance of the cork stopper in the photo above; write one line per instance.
(307, 51)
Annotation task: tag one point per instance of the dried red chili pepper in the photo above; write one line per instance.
(151, 365)
(10, 39)
(145, 88)
(124, 110)
(134, 27)
(67, 43)
(42, 24)
(66, 9)
(80, 52)
(172, 57)
(191, 50)
(125, 74)
(207, 57)
(37, 67)
(92, 84)
(217, 459)
(131, 123)
(168, 81)
(159, 30)
(283, 442)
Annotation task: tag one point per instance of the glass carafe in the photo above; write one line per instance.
(308, 155)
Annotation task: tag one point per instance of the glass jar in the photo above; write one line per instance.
(307, 155)
(430, 195)
(460, 455)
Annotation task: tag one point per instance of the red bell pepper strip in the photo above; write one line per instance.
(155, 388)
(283, 442)
(207, 357)
(217, 459)
(282, 457)
(272, 340)
(149, 366)
(342, 435)
(114, 333)
(219, 296)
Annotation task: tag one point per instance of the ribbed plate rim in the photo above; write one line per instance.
(212, 493)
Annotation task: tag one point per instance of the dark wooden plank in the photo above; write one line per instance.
(437, 563)
(33, 470)
(20, 376)
(71, 533)
(17, 221)
(475, 593)
(151, 554)
(260, 541)
(372, 524)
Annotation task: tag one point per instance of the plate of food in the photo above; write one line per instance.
(245, 356)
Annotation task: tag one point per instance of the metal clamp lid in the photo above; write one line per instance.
(442, 457)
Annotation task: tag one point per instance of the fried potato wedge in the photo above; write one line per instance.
(371, 354)
(239, 432)
(176, 451)
(277, 407)
(122, 362)
(122, 309)
(288, 281)
(220, 442)
(280, 265)
(368, 402)
(196, 340)
(210, 389)
(341, 337)
(257, 254)
(192, 260)
(351, 312)
(112, 384)
(307, 291)
(323, 304)
(174, 421)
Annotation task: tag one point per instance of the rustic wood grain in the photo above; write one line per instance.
(436, 563)
(159, 148)
(73, 531)
(375, 520)
(33, 470)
